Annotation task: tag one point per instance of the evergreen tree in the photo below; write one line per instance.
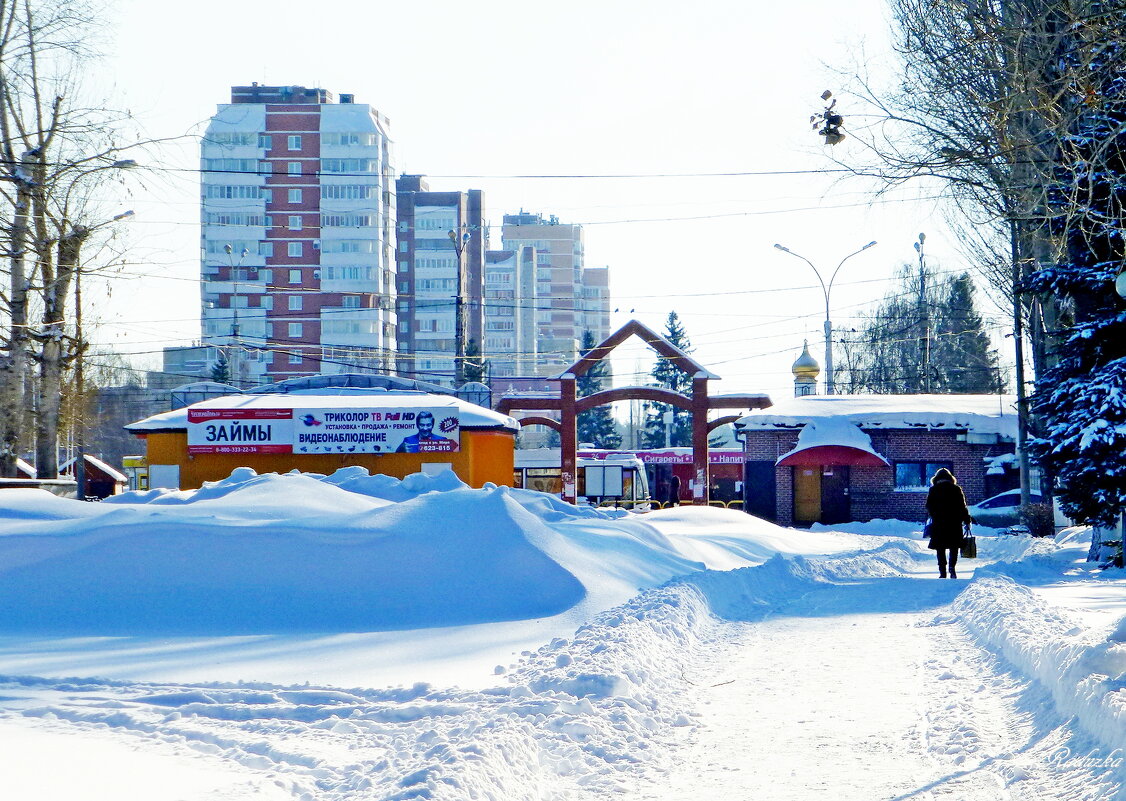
(1081, 400)
(596, 425)
(962, 359)
(221, 369)
(475, 366)
(925, 336)
(669, 376)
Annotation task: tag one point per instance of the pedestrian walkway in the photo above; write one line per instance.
(890, 704)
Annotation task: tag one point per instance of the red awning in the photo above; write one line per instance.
(821, 455)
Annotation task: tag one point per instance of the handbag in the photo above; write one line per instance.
(928, 533)
(969, 547)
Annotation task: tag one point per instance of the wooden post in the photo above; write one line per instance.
(568, 437)
(701, 488)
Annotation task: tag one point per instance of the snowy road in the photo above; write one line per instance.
(825, 700)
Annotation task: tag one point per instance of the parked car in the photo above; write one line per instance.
(1001, 510)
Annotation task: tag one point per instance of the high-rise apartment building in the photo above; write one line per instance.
(510, 312)
(442, 239)
(569, 298)
(596, 302)
(298, 234)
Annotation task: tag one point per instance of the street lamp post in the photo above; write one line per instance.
(459, 238)
(826, 289)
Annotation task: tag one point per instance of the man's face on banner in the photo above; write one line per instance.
(425, 423)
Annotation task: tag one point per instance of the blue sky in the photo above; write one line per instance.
(480, 93)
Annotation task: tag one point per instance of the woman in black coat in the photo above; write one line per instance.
(946, 505)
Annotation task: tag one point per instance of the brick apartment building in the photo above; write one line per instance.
(298, 235)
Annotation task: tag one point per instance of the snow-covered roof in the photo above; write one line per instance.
(834, 431)
(94, 461)
(991, 414)
(470, 415)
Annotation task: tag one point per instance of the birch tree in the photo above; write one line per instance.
(57, 152)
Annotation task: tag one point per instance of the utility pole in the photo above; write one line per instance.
(924, 315)
(234, 360)
(1018, 355)
(459, 238)
(79, 392)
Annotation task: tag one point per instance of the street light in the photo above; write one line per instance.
(459, 238)
(830, 387)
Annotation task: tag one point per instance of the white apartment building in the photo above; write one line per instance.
(298, 235)
(510, 312)
(569, 298)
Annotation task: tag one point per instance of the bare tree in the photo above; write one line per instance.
(56, 152)
(984, 100)
(989, 91)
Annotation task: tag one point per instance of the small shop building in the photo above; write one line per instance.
(101, 480)
(840, 458)
(395, 433)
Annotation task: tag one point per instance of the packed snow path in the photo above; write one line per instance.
(826, 700)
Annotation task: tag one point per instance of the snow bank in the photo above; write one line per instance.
(582, 715)
(1083, 669)
(351, 552)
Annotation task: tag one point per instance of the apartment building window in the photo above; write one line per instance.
(265, 248)
(348, 192)
(295, 358)
(294, 142)
(295, 276)
(266, 302)
(404, 327)
(295, 222)
(264, 141)
(266, 276)
(265, 168)
(349, 139)
(295, 303)
(349, 165)
(350, 301)
(231, 165)
(295, 168)
(233, 192)
(404, 246)
(229, 139)
(294, 195)
(441, 223)
(295, 249)
(350, 246)
(294, 330)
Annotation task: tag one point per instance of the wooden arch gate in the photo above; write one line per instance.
(568, 406)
